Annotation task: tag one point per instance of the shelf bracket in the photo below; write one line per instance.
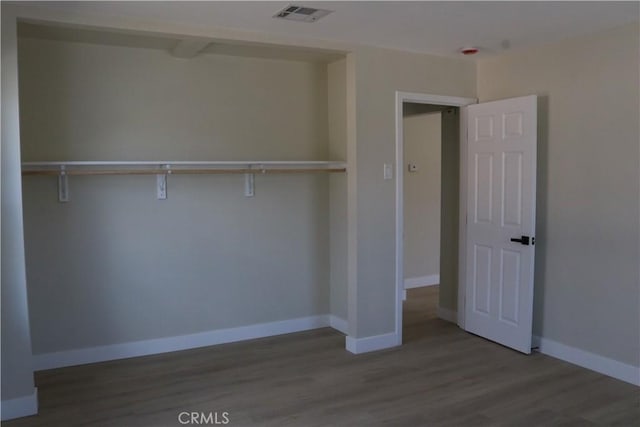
(249, 184)
(63, 185)
(161, 183)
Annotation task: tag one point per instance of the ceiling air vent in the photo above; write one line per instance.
(301, 13)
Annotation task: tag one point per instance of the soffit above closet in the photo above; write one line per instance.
(168, 43)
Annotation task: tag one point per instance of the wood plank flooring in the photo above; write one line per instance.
(441, 376)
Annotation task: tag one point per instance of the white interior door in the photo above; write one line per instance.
(501, 208)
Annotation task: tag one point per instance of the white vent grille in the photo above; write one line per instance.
(301, 13)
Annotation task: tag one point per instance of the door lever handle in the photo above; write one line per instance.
(525, 240)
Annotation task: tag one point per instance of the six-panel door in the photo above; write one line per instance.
(501, 166)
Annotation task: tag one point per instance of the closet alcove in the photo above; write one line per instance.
(109, 115)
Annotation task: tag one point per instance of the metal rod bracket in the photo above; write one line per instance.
(249, 184)
(161, 183)
(63, 186)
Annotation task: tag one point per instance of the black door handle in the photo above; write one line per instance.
(525, 240)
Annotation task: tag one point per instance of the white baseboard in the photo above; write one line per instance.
(376, 342)
(19, 407)
(592, 361)
(448, 315)
(183, 342)
(418, 282)
(339, 324)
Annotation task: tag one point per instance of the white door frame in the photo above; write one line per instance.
(451, 101)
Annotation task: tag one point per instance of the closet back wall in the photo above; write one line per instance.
(117, 265)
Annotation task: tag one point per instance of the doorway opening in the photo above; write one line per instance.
(426, 129)
(429, 199)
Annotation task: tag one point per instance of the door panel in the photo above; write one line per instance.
(512, 190)
(482, 279)
(502, 138)
(509, 285)
(484, 188)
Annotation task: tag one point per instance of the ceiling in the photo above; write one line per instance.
(428, 27)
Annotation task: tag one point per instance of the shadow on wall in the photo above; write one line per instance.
(116, 265)
(542, 183)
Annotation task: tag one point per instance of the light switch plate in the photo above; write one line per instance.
(412, 167)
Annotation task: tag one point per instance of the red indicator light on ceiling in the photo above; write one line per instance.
(469, 50)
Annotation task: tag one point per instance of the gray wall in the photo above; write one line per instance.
(422, 142)
(116, 265)
(379, 73)
(17, 373)
(337, 116)
(373, 76)
(587, 280)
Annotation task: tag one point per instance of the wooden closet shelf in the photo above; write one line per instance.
(179, 167)
(162, 169)
(177, 171)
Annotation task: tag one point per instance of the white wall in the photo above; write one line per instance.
(18, 398)
(116, 265)
(422, 142)
(587, 280)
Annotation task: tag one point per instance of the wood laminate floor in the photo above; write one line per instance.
(441, 376)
